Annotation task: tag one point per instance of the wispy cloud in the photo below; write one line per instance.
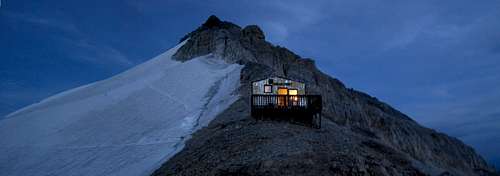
(408, 32)
(289, 17)
(436, 60)
(276, 31)
(65, 26)
(100, 54)
(85, 50)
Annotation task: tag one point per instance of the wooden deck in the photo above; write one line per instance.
(304, 109)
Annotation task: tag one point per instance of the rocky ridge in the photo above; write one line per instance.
(360, 136)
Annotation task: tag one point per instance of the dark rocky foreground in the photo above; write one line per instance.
(360, 135)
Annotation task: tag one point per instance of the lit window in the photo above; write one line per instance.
(268, 88)
(282, 91)
(293, 92)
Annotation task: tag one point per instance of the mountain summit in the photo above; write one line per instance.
(361, 135)
(187, 112)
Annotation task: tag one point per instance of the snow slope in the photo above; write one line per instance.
(125, 125)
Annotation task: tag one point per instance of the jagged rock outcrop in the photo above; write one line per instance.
(361, 136)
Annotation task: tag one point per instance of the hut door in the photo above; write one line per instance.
(282, 93)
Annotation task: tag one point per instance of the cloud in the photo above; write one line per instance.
(58, 24)
(409, 32)
(280, 19)
(466, 108)
(445, 56)
(436, 60)
(441, 92)
(85, 50)
(275, 31)
(98, 54)
(300, 12)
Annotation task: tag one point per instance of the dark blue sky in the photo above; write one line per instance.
(437, 61)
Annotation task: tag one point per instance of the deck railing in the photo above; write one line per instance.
(312, 102)
(305, 108)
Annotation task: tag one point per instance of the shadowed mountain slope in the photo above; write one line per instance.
(360, 136)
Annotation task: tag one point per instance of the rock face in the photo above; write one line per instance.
(360, 135)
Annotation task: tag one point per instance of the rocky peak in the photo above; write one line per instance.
(211, 25)
(212, 21)
(237, 45)
(253, 32)
(378, 126)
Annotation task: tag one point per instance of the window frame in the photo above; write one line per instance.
(270, 90)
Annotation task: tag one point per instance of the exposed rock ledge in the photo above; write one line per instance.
(360, 136)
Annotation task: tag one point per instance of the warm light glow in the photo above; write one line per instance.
(293, 92)
(282, 91)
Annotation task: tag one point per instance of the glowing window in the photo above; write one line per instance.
(293, 92)
(282, 91)
(268, 88)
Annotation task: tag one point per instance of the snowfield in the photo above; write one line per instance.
(128, 124)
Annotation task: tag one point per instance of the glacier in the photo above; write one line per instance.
(128, 124)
